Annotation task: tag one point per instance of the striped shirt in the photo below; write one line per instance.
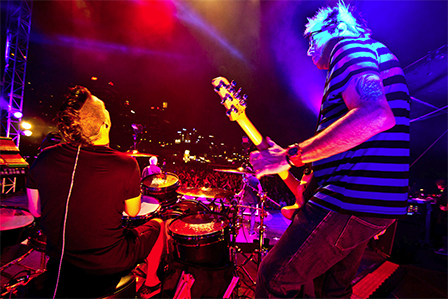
(370, 179)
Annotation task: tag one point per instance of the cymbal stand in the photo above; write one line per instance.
(260, 252)
(262, 249)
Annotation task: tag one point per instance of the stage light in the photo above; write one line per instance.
(27, 133)
(25, 125)
(18, 114)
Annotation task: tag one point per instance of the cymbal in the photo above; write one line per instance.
(239, 170)
(135, 153)
(205, 192)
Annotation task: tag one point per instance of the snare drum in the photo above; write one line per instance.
(184, 207)
(15, 224)
(149, 209)
(162, 186)
(202, 239)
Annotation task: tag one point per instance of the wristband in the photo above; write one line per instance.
(294, 156)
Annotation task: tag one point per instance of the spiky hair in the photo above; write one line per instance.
(332, 16)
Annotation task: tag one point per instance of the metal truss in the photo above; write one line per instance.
(16, 53)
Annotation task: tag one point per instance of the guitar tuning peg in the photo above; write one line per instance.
(218, 87)
(237, 94)
(225, 98)
(230, 110)
(243, 103)
(231, 86)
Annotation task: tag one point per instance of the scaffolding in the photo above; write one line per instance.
(18, 25)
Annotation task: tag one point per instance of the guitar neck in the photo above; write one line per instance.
(260, 143)
(252, 133)
(236, 105)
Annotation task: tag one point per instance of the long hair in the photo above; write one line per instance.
(330, 17)
(79, 119)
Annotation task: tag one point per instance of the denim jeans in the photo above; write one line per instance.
(321, 246)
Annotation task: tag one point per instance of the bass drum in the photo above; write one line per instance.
(184, 207)
(201, 239)
(162, 186)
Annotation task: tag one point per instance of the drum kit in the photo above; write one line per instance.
(205, 221)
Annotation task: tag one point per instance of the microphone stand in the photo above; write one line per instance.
(163, 170)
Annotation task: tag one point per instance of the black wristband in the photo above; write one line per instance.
(294, 153)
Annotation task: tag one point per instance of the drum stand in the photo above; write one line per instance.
(10, 288)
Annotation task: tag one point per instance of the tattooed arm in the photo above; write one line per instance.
(369, 114)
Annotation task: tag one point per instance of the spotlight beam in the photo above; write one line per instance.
(188, 16)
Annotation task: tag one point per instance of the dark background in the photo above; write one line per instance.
(145, 53)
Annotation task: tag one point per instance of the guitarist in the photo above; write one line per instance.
(359, 157)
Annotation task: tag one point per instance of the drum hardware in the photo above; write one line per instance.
(184, 286)
(261, 251)
(184, 207)
(37, 242)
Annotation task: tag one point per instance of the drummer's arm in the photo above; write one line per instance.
(33, 202)
(132, 205)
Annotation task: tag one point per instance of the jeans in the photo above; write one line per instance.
(319, 246)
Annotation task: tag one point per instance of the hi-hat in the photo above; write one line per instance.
(205, 192)
(239, 170)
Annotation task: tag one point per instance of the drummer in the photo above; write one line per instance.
(152, 168)
(81, 188)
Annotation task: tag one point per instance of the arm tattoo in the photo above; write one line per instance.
(369, 87)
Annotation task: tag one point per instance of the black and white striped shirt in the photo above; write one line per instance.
(370, 179)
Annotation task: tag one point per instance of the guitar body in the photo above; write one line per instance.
(289, 211)
(236, 106)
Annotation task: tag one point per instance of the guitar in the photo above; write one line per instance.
(236, 104)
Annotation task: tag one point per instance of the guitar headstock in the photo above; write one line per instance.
(230, 98)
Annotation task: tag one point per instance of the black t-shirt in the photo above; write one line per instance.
(103, 180)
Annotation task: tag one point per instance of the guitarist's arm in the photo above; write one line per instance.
(275, 159)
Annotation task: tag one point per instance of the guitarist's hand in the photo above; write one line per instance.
(269, 161)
